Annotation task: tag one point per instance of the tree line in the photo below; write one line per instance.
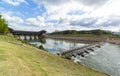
(3, 26)
(74, 32)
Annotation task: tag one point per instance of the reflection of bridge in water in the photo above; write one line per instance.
(28, 35)
(81, 50)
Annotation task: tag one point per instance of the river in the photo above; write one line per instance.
(105, 59)
(55, 46)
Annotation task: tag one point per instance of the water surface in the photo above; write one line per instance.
(105, 59)
(54, 46)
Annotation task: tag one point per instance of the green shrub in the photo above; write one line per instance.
(67, 57)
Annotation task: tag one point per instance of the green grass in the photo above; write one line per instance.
(25, 60)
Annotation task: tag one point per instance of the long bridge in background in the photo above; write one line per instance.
(28, 35)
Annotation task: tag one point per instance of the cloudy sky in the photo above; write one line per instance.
(54, 15)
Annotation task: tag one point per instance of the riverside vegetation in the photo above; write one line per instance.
(3, 26)
(20, 59)
(98, 33)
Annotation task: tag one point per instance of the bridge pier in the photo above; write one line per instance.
(34, 37)
(25, 38)
(30, 37)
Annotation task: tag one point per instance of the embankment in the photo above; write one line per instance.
(88, 39)
(91, 39)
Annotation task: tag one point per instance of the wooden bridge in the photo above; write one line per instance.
(81, 50)
(28, 35)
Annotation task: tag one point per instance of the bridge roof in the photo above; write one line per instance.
(28, 32)
(20, 32)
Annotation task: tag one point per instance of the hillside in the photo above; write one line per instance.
(83, 32)
(18, 59)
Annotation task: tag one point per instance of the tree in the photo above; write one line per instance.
(108, 32)
(99, 32)
(3, 25)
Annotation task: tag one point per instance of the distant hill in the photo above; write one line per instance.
(74, 32)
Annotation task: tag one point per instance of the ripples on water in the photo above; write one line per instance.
(105, 59)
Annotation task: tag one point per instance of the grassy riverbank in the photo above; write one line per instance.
(18, 59)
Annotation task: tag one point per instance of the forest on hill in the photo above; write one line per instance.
(74, 32)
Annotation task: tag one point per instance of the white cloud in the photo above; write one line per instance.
(102, 16)
(52, 2)
(110, 8)
(93, 2)
(15, 2)
(61, 2)
(12, 20)
(71, 14)
(38, 21)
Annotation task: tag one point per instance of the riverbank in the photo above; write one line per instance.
(19, 59)
(78, 39)
(89, 39)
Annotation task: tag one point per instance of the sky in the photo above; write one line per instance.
(52, 15)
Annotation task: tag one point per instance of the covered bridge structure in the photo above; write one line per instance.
(31, 35)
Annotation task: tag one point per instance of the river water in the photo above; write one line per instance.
(55, 46)
(105, 59)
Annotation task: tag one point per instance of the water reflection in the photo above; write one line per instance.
(42, 40)
(55, 46)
